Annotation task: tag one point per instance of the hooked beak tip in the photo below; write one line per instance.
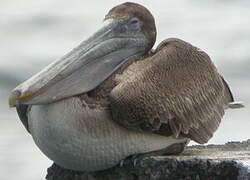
(13, 98)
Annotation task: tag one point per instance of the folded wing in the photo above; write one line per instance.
(176, 91)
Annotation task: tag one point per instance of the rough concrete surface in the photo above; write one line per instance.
(212, 162)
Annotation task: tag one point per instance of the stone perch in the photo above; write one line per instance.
(212, 162)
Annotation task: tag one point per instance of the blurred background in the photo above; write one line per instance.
(35, 33)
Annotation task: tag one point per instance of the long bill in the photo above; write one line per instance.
(82, 69)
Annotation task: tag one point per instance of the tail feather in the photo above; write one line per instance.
(236, 105)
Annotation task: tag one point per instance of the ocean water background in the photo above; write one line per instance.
(35, 33)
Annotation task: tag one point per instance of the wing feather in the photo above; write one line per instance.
(177, 89)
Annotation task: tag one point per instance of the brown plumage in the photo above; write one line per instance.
(175, 91)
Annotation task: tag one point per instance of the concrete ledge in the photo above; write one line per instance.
(212, 162)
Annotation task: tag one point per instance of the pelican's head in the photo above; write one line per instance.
(128, 32)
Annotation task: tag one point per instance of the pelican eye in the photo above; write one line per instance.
(134, 21)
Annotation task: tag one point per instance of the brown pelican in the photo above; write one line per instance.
(111, 97)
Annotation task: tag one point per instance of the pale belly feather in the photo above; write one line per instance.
(80, 138)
